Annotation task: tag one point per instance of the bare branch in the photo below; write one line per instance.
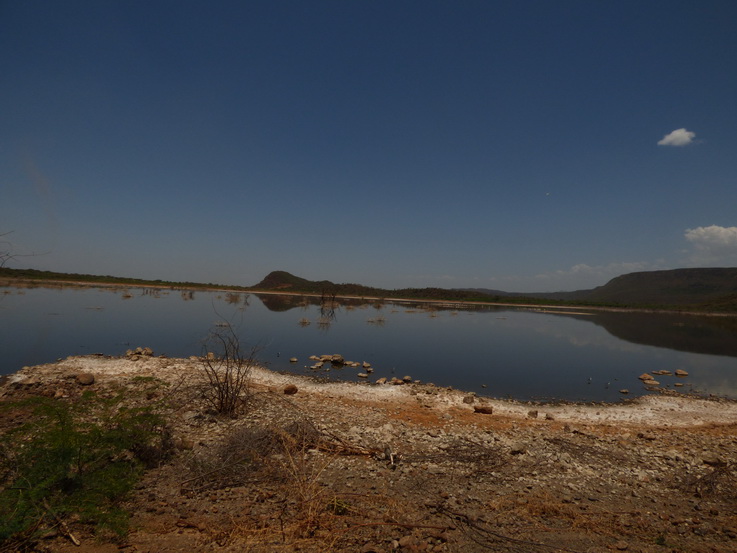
(227, 370)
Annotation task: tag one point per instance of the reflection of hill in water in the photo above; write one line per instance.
(690, 333)
(277, 302)
(285, 303)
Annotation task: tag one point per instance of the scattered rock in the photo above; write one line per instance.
(624, 391)
(645, 376)
(407, 378)
(621, 545)
(139, 352)
(469, 399)
(713, 460)
(290, 389)
(381, 380)
(85, 379)
(517, 449)
(293, 360)
(651, 382)
(681, 372)
(362, 375)
(532, 414)
(483, 409)
(406, 541)
(184, 444)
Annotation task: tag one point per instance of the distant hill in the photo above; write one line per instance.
(705, 289)
(282, 281)
(287, 282)
(674, 287)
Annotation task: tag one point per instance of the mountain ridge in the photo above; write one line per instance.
(700, 287)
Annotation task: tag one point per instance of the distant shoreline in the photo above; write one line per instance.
(538, 307)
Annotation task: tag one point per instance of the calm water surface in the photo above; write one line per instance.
(500, 352)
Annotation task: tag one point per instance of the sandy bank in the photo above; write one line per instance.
(653, 410)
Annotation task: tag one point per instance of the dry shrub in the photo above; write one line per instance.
(720, 480)
(227, 370)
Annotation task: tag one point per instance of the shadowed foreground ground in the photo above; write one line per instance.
(360, 468)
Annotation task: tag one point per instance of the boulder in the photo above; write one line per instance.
(290, 389)
(483, 409)
(85, 379)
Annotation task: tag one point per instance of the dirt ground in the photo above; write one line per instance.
(377, 468)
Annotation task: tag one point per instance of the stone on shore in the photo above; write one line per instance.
(85, 379)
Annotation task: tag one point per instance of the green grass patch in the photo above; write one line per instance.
(75, 460)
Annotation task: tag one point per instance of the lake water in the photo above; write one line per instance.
(495, 351)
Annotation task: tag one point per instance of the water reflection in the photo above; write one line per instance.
(518, 353)
(691, 333)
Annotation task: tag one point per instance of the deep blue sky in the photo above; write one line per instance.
(514, 145)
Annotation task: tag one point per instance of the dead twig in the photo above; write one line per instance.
(62, 525)
(479, 529)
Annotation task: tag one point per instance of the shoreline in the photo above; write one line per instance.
(663, 410)
(545, 308)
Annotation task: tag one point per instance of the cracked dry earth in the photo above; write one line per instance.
(359, 468)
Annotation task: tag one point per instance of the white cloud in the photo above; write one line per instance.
(714, 244)
(679, 137)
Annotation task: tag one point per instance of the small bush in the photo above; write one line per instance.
(74, 459)
(227, 370)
